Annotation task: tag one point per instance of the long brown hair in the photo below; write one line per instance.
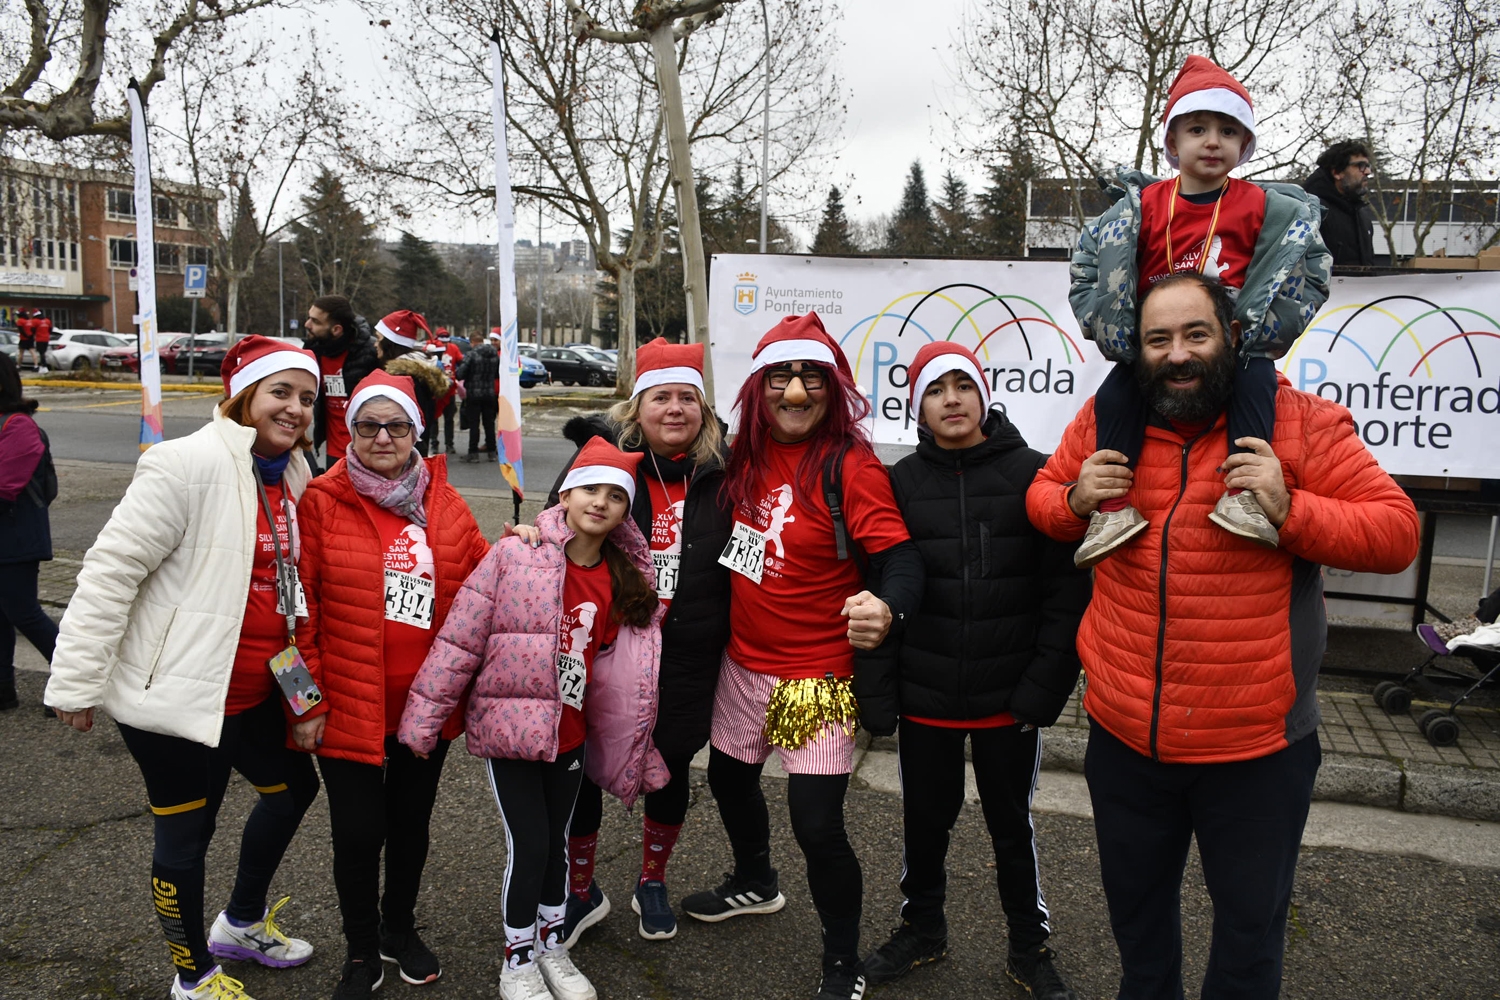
(237, 408)
(634, 598)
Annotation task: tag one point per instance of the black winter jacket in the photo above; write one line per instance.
(1348, 223)
(361, 359)
(696, 629)
(1003, 602)
(478, 371)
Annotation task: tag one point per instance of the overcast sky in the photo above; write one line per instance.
(895, 83)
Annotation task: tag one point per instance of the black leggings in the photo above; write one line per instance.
(536, 801)
(371, 808)
(1120, 409)
(667, 805)
(816, 805)
(20, 611)
(185, 782)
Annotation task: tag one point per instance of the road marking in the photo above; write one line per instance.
(87, 406)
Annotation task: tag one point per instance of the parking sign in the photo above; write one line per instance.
(195, 281)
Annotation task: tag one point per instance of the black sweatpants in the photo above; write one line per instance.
(816, 805)
(370, 808)
(482, 413)
(1247, 816)
(448, 415)
(667, 805)
(1120, 408)
(185, 782)
(1006, 760)
(536, 802)
(20, 611)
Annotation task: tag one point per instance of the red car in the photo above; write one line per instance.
(129, 359)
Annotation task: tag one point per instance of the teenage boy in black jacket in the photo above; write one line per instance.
(989, 657)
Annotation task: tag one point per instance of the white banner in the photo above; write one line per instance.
(1417, 361)
(1014, 315)
(145, 243)
(508, 423)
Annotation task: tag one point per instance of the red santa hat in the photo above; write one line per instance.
(661, 362)
(799, 338)
(401, 327)
(255, 358)
(937, 359)
(600, 462)
(382, 384)
(1203, 86)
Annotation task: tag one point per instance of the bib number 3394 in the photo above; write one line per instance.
(746, 552)
(408, 598)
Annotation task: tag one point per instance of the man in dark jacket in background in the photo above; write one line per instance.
(990, 657)
(1348, 221)
(345, 346)
(479, 371)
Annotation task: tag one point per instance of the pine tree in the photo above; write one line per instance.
(1001, 228)
(834, 235)
(423, 282)
(337, 239)
(912, 232)
(954, 218)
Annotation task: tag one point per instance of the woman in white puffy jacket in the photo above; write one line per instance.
(181, 605)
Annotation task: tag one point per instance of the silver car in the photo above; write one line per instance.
(80, 349)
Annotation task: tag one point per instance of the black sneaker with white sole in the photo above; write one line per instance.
(1035, 970)
(734, 897)
(842, 980)
(362, 977)
(907, 948)
(413, 960)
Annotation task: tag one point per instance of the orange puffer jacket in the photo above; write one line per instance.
(1198, 646)
(343, 571)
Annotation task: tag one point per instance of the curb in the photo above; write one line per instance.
(581, 402)
(119, 386)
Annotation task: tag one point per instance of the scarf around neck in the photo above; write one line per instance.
(272, 468)
(403, 495)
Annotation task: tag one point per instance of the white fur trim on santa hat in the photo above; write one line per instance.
(269, 364)
(369, 392)
(940, 366)
(1222, 100)
(783, 351)
(393, 336)
(668, 376)
(594, 475)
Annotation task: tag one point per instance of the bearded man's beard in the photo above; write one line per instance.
(1190, 406)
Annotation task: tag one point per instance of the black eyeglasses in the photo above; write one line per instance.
(370, 428)
(780, 378)
(1363, 165)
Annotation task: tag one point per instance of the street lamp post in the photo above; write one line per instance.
(765, 129)
(487, 299)
(334, 266)
(280, 291)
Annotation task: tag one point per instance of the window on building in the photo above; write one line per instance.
(122, 253)
(198, 215)
(119, 203)
(168, 257)
(165, 210)
(198, 255)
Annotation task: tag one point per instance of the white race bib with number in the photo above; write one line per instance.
(746, 552)
(408, 598)
(666, 564)
(572, 678)
(333, 385)
(299, 597)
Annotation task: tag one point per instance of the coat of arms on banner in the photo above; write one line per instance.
(746, 294)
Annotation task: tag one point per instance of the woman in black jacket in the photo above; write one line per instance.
(678, 508)
(25, 532)
(990, 657)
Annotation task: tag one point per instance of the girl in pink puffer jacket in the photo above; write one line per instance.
(558, 646)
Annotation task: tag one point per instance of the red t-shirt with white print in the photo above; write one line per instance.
(410, 580)
(335, 399)
(667, 501)
(585, 628)
(790, 623)
(1241, 213)
(263, 632)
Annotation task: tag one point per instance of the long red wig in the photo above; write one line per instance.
(843, 427)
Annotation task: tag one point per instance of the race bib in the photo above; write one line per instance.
(746, 552)
(408, 598)
(666, 564)
(299, 597)
(572, 678)
(333, 385)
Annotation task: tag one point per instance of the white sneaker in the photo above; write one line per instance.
(563, 977)
(261, 942)
(214, 986)
(525, 983)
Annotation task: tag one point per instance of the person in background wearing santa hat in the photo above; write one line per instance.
(184, 602)
(41, 328)
(479, 372)
(679, 508)
(387, 541)
(820, 598)
(26, 343)
(545, 709)
(346, 354)
(445, 349)
(403, 335)
(1261, 240)
(989, 658)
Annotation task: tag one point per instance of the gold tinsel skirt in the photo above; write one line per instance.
(800, 709)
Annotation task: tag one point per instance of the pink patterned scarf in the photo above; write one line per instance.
(402, 495)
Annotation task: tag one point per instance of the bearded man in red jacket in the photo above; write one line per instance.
(1202, 649)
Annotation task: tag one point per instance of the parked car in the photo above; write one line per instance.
(80, 349)
(208, 350)
(533, 372)
(590, 351)
(614, 355)
(10, 343)
(572, 367)
(528, 350)
(128, 359)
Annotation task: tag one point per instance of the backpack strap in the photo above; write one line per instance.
(833, 495)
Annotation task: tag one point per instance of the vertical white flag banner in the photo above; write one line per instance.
(145, 244)
(508, 420)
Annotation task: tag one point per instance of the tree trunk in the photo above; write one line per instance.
(625, 364)
(234, 306)
(696, 286)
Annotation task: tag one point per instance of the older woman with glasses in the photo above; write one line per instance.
(386, 543)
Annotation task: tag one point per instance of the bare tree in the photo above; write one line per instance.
(62, 101)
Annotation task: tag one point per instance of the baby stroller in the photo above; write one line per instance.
(1478, 641)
